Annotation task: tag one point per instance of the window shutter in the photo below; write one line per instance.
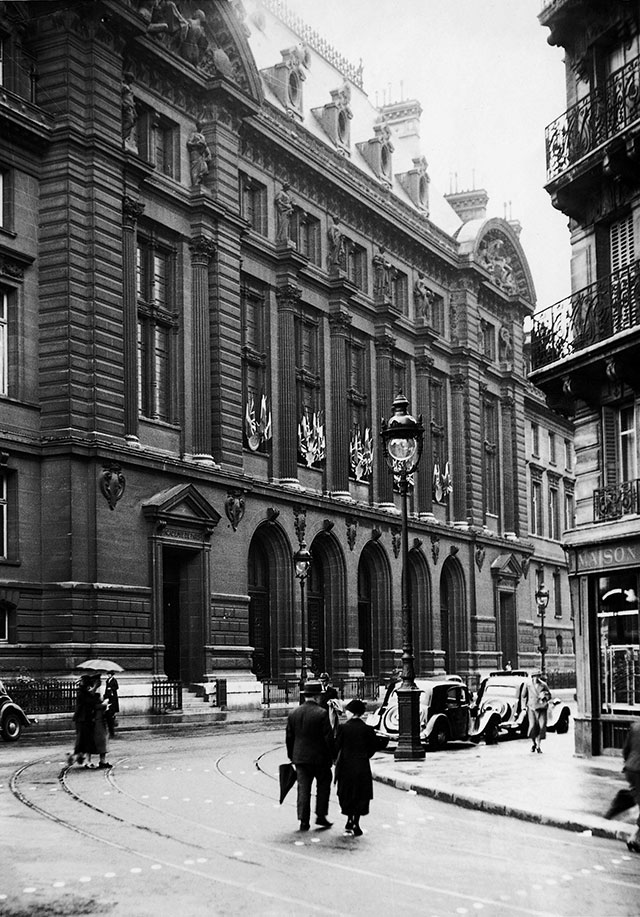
(609, 446)
(622, 244)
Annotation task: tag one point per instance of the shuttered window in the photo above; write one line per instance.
(622, 244)
(619, 444)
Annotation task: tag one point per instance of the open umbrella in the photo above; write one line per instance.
(288, 777)
(100, 665)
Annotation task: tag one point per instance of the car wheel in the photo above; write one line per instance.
(438, 738)
(492, 734)
(11, 727)
(562, 726)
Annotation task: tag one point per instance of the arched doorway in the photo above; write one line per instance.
(374, 619)
(272, 610)
(326, 602)
(453, 629)
(420, 600)
(259, 609)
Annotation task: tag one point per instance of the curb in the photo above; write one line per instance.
(495, 808)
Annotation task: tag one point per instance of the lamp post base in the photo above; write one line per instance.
(409, 747)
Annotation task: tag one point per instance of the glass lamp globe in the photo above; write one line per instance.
(402, 450)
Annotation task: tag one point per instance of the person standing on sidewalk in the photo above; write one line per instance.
(111, 697)
(626, 799)
(310, 747)
(537, 695)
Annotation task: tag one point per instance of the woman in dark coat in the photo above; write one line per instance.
(84, 720)
(356, 743)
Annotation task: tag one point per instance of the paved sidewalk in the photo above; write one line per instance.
(554, 788)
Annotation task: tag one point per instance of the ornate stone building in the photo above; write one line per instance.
(219, 263)
(585, 348)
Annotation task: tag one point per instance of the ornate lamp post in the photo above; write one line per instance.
(402, 439)
(542, 600)
(302, 563)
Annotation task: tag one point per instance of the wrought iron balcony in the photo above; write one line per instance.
(615, 501)
(593, 120)
(590, 315)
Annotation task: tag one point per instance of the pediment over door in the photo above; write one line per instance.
(507, 570)
(181, 512)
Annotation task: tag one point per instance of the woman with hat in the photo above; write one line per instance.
(356, 743)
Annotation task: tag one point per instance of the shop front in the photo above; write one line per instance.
(605, 583)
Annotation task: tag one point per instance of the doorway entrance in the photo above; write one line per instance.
(182, 614)
(508, 629)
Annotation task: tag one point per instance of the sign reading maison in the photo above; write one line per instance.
(614, 555)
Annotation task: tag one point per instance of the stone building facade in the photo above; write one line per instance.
(219, 263)
(585, 351)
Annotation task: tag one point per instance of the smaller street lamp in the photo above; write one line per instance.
(542, 600)
(302, 564)
(402, 439)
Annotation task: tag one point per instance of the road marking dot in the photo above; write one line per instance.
(315, 840)
(135, 869)
(84, 879)
(29, 890)
(156, 866)
(186, 799)
(238, 853)
(478, 905)
(251, 804)
(201, 860)
(599, 867)
(208, 800)
(189, 862)
(298, 843)
(3, 897)
(109, 875)
(59, 884)
(551, 881)
(537, 887)
(145, 796)
(616, 862)
(585, 872)
(567, 877)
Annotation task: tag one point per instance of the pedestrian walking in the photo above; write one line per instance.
(537, 695)
(111, 689)
(83, 718)
(100, 730)
(330, 700)
(627, 798)
(355, 743)
(310, 747)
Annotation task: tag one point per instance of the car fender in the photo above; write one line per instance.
(555, 712)
(439, 721)
(14, 708)
(485, 721)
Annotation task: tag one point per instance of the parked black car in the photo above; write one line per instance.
(501, 693)
(445, 715)
(12, 717)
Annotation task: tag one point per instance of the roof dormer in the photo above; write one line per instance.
(335, 118)
(377, 152)
(286, 78)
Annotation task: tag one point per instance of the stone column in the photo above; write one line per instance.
(459, 430)
(506, 465)
(202, 250)
(384, 344)
(132, 210)
(424, 365)
(288, 298)
(338, 445)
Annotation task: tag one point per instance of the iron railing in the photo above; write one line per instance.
(616, 500)
(588, 316)
(165, 695)
(288, 691)
(42, 697)
(590, 122)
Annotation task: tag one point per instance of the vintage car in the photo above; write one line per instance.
(502, 693)
(12, 717)
(445, 714)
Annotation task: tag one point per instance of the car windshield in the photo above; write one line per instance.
(426, 689)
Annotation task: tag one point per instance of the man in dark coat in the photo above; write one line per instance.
(309, 740)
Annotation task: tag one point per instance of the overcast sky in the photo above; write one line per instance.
(488, 83)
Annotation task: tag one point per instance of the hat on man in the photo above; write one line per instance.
(312, 688)
(356, 707)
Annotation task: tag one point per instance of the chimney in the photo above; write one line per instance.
(469, 205)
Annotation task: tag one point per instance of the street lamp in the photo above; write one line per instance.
(542, 600)
(302, 563)
(402, 439)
